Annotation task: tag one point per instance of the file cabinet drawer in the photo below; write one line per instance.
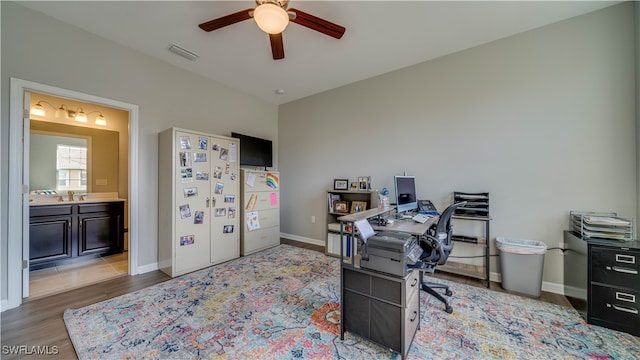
(615, 266)
(412, 285)
(387, 288)
(261, 200)
(618, 307)
(261, 181)
(411, 320)
(269, 218)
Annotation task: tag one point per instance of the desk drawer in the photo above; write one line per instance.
(411, 320)
(616, 306)
(619, 267)
(394, 290)
(412, 285)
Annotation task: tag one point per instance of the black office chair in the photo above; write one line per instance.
(436, 246)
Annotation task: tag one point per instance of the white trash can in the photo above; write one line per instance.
(521, 262)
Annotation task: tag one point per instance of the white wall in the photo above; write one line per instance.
(40, 49)
(543, 120)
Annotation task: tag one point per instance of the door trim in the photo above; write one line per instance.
(15, 192)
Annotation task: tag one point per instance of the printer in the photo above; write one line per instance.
(388, 252)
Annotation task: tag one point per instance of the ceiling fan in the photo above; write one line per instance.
(272, 17)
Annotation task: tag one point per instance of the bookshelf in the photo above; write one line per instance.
(332, 228)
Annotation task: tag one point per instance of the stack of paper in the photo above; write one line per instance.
(602, 226)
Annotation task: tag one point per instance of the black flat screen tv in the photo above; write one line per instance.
(254, 151)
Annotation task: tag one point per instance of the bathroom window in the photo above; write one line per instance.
(71, 167)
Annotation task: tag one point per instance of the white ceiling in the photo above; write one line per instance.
(381, 36)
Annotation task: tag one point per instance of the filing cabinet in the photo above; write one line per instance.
(382, 308)
(260, 212)
(606, 274)
(613, 294)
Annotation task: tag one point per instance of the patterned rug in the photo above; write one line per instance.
(283, 303)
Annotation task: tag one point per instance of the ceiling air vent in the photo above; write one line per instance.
(189, 55)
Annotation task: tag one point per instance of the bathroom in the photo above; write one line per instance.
(95, 139)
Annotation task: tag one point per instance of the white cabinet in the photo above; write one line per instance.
(260, 212)
(198, 196)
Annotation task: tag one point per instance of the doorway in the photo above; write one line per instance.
(88, 156)
(18, 202)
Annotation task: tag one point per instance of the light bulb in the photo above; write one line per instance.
(37, 110)
(62, 112)
(81, 116)
(271, 18)
(100, 120)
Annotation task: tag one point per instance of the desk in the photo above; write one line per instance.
(407, 226)
(383, 308)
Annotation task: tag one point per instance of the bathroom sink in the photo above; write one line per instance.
(38, 200)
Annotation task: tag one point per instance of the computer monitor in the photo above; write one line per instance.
(406, 199)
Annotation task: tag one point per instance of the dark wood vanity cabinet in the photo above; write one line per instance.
(64, 233)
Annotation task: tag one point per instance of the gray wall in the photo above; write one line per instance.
(166, 96)
(544, 121)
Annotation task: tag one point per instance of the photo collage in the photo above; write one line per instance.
(211, 163)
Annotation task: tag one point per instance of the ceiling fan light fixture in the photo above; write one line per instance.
(271, 18)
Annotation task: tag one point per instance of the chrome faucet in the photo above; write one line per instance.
(70, 195)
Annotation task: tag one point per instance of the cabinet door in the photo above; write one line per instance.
(98, 233)
(50, 239)
(225, 192)
(100, 228)
(193, 201)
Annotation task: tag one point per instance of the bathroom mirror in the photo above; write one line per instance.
(48, 140)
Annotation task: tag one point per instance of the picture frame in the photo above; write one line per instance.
(341, 207)
(364, 183)
(358, 206)
(340, 184)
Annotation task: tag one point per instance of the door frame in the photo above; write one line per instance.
(18, 234)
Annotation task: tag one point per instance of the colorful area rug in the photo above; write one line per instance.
(283, 303)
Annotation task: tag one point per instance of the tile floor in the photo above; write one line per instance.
(62, 278)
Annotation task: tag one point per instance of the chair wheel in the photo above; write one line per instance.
(448, 309)
(448, 293)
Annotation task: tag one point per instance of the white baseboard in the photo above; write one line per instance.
(147, 268)
(4, 305)
(546, 286)
(302, 239)
(553, 287)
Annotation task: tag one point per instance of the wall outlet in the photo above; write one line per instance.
(101, 182)
(313, 219)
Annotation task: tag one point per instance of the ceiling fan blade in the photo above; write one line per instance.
(277, 46)
(225, 20)
(317, 24)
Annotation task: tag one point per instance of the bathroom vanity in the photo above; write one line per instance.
(65, 231)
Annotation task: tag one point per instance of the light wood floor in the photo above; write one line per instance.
(57, 279)
(39, 322)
